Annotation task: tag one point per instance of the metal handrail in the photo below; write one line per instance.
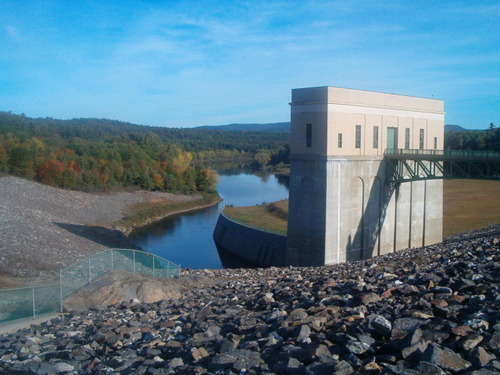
(445, 153)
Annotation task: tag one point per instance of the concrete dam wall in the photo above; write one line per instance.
(253, 245)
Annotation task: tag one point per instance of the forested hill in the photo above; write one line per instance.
(274, 127)
(99, 154)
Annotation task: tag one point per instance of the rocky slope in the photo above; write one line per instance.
(426, 311)
(44, 229)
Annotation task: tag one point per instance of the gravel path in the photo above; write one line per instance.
(43, 228)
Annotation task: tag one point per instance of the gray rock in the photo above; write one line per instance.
(365, 298)
(175, 362)
(480, 357)
(302, 332)
(415, 350)
(445, 358)
(426, 368)
(471, 341)
(199, 354)
(381, 325)
(494, 342)
(401, 370)
(63, 368)
(222, 362)
(484, 371)
(289, 366)
(343, 368)
(320, 369)
(408, 324)
(357, 347)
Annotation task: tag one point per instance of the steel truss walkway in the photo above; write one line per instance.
(413, 165)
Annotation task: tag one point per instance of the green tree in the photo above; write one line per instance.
(206, 180)
(21, 162)
(262, 158)
(3, 158)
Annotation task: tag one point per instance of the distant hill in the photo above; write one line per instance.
(99, 154)
(284, 127)
(275, 127)
(453, 128)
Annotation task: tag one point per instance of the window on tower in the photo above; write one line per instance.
(308, 135)
(375, 137)
(358, 136)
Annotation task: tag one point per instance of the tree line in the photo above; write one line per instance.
(96, 154)
(474, 140)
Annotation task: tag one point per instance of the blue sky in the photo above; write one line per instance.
(188, 63)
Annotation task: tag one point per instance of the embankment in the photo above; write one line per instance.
(44, 229)
(434, 310)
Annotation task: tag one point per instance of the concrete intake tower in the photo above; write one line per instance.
(340, 206)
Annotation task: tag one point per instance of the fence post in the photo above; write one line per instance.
(112, 265)
(134, 260)
(90, 272)
(34, 307)
(61, 290)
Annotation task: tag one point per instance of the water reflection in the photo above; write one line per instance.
(186, 238)
(283, 180)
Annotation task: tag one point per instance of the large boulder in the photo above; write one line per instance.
(122, 286)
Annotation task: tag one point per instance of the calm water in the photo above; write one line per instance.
(186, 239)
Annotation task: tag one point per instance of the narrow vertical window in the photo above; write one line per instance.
(340, 140)
(358, 136)
(407, 138)
(421, 143)
(435, 143)
(375, 137)
(309, 135)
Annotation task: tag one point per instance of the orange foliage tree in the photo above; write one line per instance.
(50, 172)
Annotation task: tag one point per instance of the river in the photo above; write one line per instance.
(186, 239)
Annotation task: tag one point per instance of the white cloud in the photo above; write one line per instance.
(13, 33)
(197, 63)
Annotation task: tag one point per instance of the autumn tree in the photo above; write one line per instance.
(50, 173)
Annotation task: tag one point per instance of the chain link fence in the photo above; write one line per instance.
(31, 302)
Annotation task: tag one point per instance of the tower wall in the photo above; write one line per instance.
(340, 208)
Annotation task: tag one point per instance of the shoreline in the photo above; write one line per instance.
(153, 219)
(45, 229)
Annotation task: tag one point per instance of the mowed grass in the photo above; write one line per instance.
(270, 216)
(468, 205)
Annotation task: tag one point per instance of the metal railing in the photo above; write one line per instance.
(460, 154)
(31, 302)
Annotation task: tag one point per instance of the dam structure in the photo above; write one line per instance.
(341, 205)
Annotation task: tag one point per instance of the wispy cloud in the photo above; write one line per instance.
(190, 63)
(13, 33)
